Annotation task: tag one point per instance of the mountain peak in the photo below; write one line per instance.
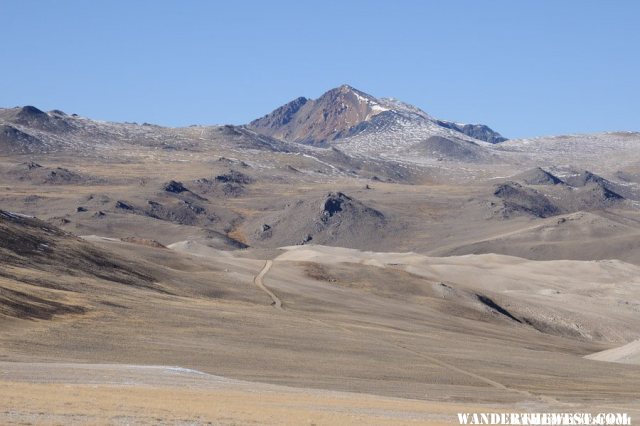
(346, 90)
(30, 111)
(321, 120)
(344, 111)
(33, 117)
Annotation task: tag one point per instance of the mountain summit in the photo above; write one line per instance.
(344, 112)
(318, 121)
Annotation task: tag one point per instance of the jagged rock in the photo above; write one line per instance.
(235, 177)
(123, 205)
(174, 187)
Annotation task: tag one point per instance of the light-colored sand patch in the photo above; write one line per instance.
(627, 354)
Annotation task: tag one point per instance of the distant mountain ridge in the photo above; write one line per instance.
(344, 112)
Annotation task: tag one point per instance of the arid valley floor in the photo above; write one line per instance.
(398, 272)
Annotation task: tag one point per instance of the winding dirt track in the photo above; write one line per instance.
(277, 303)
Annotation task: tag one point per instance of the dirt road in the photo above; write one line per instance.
(277, 303)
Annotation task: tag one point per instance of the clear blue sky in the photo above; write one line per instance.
(526, 68)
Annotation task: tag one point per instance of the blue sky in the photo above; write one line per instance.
(526, 68)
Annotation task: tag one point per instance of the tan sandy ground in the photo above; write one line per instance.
(352, 322)
(32, 393)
